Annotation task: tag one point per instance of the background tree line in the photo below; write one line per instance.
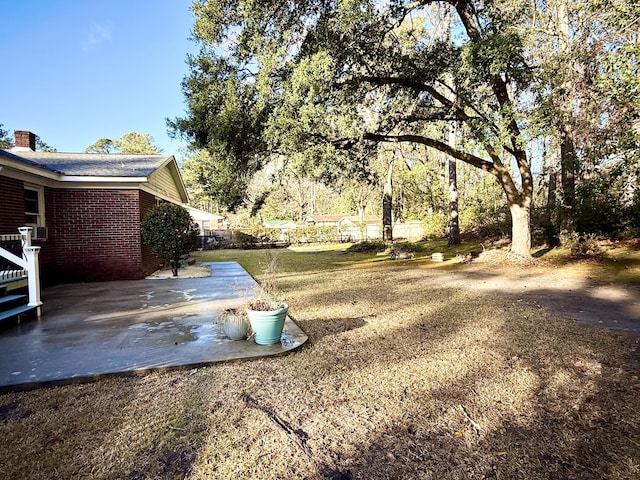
(132, 143)
(543, 97)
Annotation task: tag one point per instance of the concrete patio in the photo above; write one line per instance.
(94, 329)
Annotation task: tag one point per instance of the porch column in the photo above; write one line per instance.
(30, 254)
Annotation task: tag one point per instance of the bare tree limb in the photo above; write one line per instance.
(438, 145)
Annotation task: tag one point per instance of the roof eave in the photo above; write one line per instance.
(88, 179)
(31, 169)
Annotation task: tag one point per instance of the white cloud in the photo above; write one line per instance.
(98, 34)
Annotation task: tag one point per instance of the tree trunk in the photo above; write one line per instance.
(568, 180)
(550, 223)
(520, 230)
(175, 263)
(387, 205)
(568, 157)
(301, 201)
(553, 184)
(454, 224)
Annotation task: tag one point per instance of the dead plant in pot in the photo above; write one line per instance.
(235, 323)
(267, 316)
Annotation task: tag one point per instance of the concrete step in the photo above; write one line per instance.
(14, 315)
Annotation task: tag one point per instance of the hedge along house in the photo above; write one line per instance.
(85, 209)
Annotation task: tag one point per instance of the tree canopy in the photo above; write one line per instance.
(322, 83)
(6, 141)
(131, 143)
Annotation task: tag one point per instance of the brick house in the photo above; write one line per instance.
(86, 209)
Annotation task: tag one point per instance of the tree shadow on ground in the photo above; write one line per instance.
(504, 390)
(578, 422)
(410, 374)
(542, 252)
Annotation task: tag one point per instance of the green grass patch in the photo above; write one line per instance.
(292, 259)
(319, 258)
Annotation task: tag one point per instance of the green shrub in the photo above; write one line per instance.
(479, 221)
(367, 247)
(409, 247)
(586, 246)
(170, 232)
(313, 234)
(251, 236)
(435, 225)
(244, 240)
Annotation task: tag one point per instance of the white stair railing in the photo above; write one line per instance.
(28, 262)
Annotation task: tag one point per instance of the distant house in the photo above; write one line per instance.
(86, 209)
(350, 227)
(209, 223)
(325, 220)
(281, 224)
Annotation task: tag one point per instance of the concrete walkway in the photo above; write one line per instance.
(93, 329)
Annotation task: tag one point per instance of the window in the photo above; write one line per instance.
(34, 206)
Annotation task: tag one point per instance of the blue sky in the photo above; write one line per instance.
(75, 71)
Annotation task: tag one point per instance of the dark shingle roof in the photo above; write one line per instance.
(15, 158)
(91, 164)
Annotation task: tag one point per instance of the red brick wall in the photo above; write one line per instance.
(12, 217)
(47, 256)
(11, 205)
(94, 234)
(101, 232)
(24, 138)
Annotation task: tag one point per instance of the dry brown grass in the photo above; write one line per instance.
(402, 378)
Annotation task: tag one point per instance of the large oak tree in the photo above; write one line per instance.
(322, 81)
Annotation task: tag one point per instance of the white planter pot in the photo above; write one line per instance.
(236, 326)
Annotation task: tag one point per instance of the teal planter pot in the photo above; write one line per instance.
(268, 325)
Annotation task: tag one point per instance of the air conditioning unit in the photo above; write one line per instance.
(39, 233)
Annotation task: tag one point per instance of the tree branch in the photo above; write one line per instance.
(438, 145)
(447, 103)
(499, 86)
